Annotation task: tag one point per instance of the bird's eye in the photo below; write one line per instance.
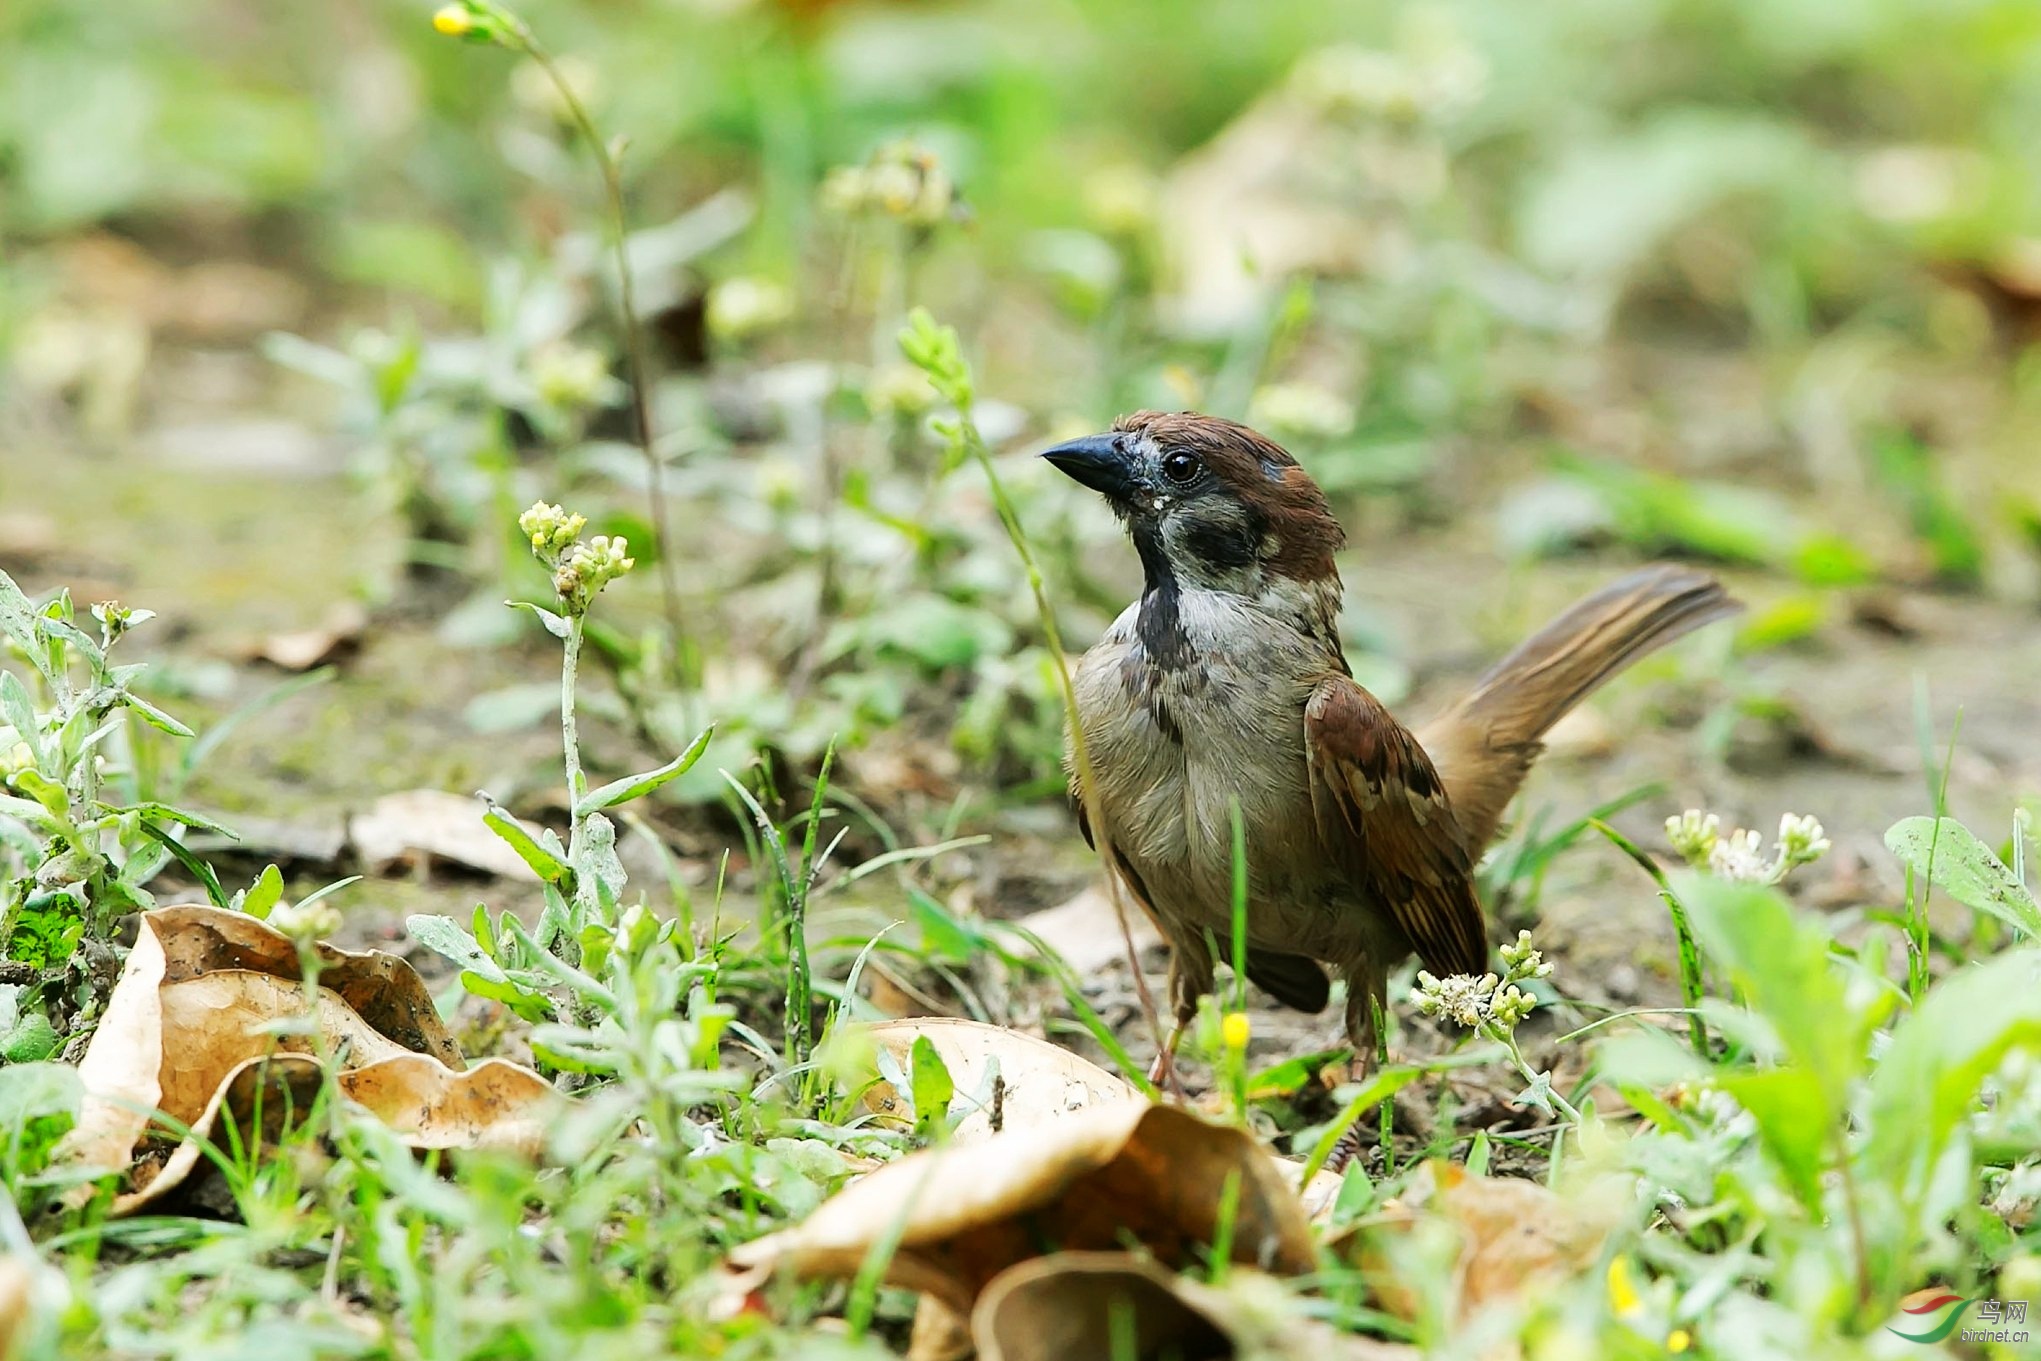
(1180, 468)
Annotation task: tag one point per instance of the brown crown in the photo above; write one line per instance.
(1263, 475)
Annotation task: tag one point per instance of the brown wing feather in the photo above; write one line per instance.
(1383, 810)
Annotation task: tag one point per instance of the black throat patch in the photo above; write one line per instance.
(1161, 626)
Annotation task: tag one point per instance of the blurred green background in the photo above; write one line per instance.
(1755, 282)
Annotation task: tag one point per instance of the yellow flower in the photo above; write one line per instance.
(1678, 1340)
(454, 21)
(1623, 1297)
(1235, 1029)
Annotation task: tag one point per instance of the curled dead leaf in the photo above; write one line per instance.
(1085, 932)
(1097, 1178)
(431, 822)
(1090, 1303)
(336, 635)
(1020, 1080)
(211, 1018)
(196, 999)
(1516, 1237)
(495, 1104)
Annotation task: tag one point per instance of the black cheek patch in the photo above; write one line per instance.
(1222, 545)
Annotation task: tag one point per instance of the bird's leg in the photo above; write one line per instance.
(1162, 1072)
(1190, 978)
(1367, 995)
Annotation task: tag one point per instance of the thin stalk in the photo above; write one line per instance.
(570, 732)
(1080, 749)
(523, 40)
(1690, 952)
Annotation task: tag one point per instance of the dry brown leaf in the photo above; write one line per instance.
(1098, 1178)
(213, 1023)
(271, 1091)
(434, 823)
(940, 1333)
(1039, 1082)
(201, 998)
(17, 1300)
(1086, 933)
(302, 649)
(1515, 1236)
(495, 1104)
(1070, 1304)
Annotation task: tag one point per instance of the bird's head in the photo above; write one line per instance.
(1210, 504)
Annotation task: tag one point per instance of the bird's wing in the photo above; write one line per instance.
(1383, 812)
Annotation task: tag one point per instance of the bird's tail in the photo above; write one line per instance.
(1484, 744)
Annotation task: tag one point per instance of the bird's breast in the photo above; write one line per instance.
(1174, 748)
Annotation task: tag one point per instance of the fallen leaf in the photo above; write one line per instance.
(1085, 932)
(940, 1333)
(1037, 1082)
(208, 996)
(1073, 1304)
(214, 1023)
(1098, 1178)
(339, 633)
(1516, 1237)
(495, 1104)
(17, 1300)
(431, 822)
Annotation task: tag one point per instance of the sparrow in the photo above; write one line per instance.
(1225, 685)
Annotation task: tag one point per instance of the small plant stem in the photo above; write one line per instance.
(1524, 1070)
(1080, 751)
(570, 732)
(525, 41)
(1859, 1241)
(1691, 991)
(1386, 1117)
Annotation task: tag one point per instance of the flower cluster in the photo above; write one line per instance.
(307, 922)
(1490, 999)
(902, 181)
(1740, 855)
(580, 570)
(746, 306)
(115, 619)
(570, 377)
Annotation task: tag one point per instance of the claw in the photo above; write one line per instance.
(1162, 1072)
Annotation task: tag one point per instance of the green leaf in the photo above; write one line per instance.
(154, 716)
(1781, 962)
(264, 893)
(42, 789)
(1927, 1082)
(942, 935)
(1794, 1121)
(556, 624)
(1965, 869)
(166, 812)
(19, 713)
(183, 855)
(17, 616)
(31, 1040)
(443, 937)
(932, 1086)
(637, 786)
(544, 863)
(524, 1003)
(30, 1090)
(58, 630)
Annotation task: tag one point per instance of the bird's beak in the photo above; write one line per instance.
(1097, 461)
